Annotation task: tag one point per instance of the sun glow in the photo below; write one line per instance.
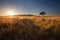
(10, 13)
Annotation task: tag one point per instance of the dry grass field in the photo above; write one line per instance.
(29, 27)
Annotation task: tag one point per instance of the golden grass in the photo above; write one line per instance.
(30, 26)
(45, 21)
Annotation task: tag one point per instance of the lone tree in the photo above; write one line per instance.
(42, 13)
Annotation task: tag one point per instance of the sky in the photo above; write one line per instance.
(51, 7)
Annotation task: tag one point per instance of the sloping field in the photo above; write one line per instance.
(29, 27)
(45, 21)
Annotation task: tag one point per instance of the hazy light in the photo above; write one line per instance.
(10, 13)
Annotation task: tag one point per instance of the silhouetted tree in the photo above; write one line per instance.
(42, 13)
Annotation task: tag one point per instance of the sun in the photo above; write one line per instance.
(10, 13)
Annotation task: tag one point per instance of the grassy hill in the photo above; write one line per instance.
(29, 27)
